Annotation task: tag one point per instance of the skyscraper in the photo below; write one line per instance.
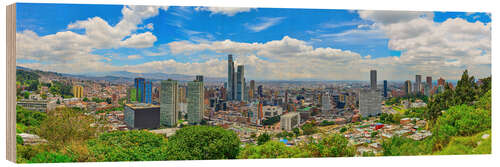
(407, 87)
(441, 81)
(230, 77)
(370, 99)
(429, 81)
(148, 92)
(373, 79)
(78, 91)
(139, 89)
(168, 103)
(418, 81)
(195, 101)
(385, 88)
(325, 103)
(252, 88)
(260, 91)
(240, 83)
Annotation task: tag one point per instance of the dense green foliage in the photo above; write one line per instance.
(390, 118)
(28, 117)
(460, 120)
(50, 157)
(398, 145)
(309, 129)
(271, 120)
(66, 125)
(332, 145)
(326, 123)
(468, 145)
(203, 142)
(131, 145)
(28, 79)
(271, 149)
(263, 138)
(60, 88)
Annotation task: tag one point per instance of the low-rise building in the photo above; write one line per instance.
(142, 116)
(289, 121)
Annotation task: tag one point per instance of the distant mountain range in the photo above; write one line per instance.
(125, 76)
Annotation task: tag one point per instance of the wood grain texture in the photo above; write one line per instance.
(11, 82)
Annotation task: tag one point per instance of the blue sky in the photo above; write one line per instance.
(366, 37)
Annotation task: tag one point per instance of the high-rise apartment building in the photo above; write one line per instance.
(148, 92)
(373, 79)
(370, 99)
(169, 103)
(385, 88)
(240, 83)
(407, 87)
(78, 91)
(195, 100)
(230, 77)
(429, 81)
(418, 81)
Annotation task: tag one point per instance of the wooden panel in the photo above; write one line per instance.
(11, 82)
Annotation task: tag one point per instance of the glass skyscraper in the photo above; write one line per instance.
(168, 103)
(196, 105)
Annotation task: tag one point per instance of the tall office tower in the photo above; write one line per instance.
(252, 88)
(325, 103)
(240, 83)
(418, 81)
(385, 88)
(230, 77)
(195, 102)
(373, 79)
(139, 84)
(148, 92)
(441, 82)
(429, 81)
(169, 103)
(407, 87)
(78, 91)
(260, 91)
(199, 78)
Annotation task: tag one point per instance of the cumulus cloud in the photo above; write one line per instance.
(229, 11)
(68, 47)
(430, 48)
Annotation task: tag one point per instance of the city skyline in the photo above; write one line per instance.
(337, 45)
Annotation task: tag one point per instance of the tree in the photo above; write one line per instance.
(65, 125)
(85, 99)
(466, 90)
(28, 117)
(296, 131)
(271, 149)
(333, 145)
(134, 145)
(309, 129)
(263, 138)
(202, 143)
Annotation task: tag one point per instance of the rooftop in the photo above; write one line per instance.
(141, 105)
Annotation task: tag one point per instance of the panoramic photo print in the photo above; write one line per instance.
(101, 83)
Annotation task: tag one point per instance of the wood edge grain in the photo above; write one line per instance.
(11, 82)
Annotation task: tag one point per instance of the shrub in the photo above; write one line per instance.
(203, 142)
(50, 157)
(271, 149)
(131, 145)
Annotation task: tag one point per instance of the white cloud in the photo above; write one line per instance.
(229, 11)
(429, 48)
(68, 51)
(265, 22)
(133, 57)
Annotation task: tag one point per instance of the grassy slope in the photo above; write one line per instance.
(468, 145)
